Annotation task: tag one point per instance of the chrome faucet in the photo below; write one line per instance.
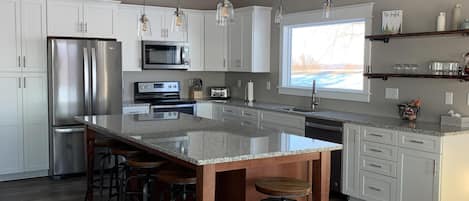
(314, 98)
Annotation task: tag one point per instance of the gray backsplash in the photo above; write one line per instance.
(419, 15)
(208, 78)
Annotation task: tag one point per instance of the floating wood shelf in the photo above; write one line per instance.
(386, 37)
(385, 76)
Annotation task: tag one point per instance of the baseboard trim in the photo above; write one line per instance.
(24, 175)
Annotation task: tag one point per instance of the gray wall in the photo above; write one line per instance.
(208, 78)
(419, 15)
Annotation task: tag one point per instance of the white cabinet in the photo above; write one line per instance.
(11, 128)
(350, 160)
(249, 40)
(205, 110)
(127, 34)
(23, 38)
(82, 18)
(196, 39)
(24, 144)
(418, 174)
(161, 19)
(215, 44)
(35, 127)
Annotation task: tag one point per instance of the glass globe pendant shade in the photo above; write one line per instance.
(179, 21)
(225, 13)
(327, 9)
(144, 26)
(279, 13)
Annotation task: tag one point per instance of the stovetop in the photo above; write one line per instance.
(167, 101)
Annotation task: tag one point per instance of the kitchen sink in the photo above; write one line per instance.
(300, 110)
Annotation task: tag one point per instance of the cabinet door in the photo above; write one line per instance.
(215, 45)
(128, 34)
(196, 39)
(100, 20)
(350, 160)
(235, 44)
(11, 143)
(33, 26)
(205, 110)
(10, 48)
(65, 18)
(418, 176)
(35, 126)
(157, 19)
(170, 34)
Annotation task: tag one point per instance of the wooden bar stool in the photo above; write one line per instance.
(144, 167)
(104, 159)
(120, 154)
(282, 189)
(180, 180)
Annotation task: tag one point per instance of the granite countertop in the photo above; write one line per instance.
(202, 141)
(426, 128)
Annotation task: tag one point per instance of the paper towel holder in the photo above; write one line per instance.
(247, 99)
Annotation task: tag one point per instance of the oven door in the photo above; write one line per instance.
(186, 108)
(165, 55)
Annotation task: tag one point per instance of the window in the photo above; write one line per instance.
(332, 52)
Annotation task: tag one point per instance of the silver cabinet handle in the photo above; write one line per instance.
(24, 82)
(416, 141)
(69, 130)
(374, 188)
(80, 27)
(86, 27)
(24, 61)
(376, 150)
(375, 135)
(19, 61)
(376, 166)
(19, 82)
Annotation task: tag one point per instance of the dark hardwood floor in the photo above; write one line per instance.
(45, 189)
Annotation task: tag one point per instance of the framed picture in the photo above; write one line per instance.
(392, 21)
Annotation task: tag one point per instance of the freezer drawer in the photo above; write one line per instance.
(68, 153)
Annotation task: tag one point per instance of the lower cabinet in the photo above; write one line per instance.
(24, 139)
(350, 161)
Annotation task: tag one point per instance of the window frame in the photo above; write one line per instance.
(342, 14)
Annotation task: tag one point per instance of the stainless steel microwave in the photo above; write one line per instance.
(163, 55)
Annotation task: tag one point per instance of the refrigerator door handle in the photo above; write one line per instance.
(69, 130)
(93, 79)
(86, 82)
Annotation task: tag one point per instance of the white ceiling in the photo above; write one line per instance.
(200, 4)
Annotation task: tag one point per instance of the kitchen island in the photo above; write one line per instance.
(226, 158)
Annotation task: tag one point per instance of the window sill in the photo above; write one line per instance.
(348, 96)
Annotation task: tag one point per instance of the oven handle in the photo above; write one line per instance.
(171, 106)
(324, 127)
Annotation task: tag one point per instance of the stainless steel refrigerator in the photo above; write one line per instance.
(85, 77)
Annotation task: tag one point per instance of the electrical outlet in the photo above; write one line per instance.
(240, 83)
(268, 87)
(392, 93)
(449, 98)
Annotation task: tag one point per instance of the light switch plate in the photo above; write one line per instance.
(449, 98)
(268, 87)
(392, 93)
(239, 83)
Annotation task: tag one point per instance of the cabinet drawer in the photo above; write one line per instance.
(377, 187)
(386, 168)
(250, 114)
(249, 123)
(229, 110)
(419, 142)
(379, 135)
(293, 121)
(380, 151)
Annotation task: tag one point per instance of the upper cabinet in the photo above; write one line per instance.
(249, 40)
(23, 38)
(127, 34)
(215, 44)
(82, 18)
(160, 19)
(196, 40)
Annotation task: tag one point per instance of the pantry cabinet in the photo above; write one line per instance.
(94, 19)
(23, 36)
(24, 144)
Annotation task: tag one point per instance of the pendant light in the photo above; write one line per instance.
(144, 25)
(179, 21)
(279, 13)
(225, 12)
(327, 9)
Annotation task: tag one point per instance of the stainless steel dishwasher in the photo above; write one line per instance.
(331, 131)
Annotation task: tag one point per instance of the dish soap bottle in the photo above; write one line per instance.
(456, 17)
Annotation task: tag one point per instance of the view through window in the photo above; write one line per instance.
(331, 54)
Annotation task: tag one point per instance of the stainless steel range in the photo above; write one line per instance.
(163, 96)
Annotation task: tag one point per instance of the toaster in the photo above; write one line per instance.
(219, 93)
